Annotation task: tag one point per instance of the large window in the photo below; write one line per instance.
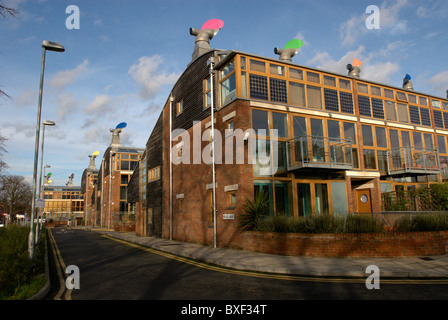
(228, 83)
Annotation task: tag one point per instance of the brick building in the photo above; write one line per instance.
(333, 144)
(63, 204)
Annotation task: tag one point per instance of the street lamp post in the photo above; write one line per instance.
(51, 46)
(39, 220)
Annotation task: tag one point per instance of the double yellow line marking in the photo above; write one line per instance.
(60, 267)
(275, 276)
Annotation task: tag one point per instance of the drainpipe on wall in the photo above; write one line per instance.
(112, 153)
(211, 61)
(171, 168)
(102, 189)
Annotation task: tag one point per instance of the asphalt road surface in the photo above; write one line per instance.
(112, 270)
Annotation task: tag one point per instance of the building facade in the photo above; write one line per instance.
(63, 204)
(317, 142)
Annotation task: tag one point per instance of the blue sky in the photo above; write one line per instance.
(123, 60)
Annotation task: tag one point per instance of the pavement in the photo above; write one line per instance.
(399, 267)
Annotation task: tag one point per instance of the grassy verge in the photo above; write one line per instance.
(19, 277)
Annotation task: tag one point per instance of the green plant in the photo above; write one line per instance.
(422, 222)
(253, 212)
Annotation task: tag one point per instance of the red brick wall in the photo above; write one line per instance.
(193, 223)
(346, 245)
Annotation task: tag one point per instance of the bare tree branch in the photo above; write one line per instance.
(6, 11)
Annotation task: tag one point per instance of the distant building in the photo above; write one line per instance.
(63, 203)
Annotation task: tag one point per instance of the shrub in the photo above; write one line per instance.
(254, 212)
(422, 222)
(321, 224)
(16, 270)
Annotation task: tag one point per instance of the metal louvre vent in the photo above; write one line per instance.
(414, 115)
(346, 100)
(425, 117)
(438, 119)
(364, 106)
(445, 119)
(377, 108)
(258, 87)
(331, 100)
(278, 90)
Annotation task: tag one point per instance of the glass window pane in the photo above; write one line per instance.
(256, 65)
(367, 135)
(304, 199)
(297, 94)
(389, 93)
(423, 101)
(277, 69)
(299, 126)
(228, 90)
(349, 131)
(417, 140)
(227, 69)
(333, 129)
(280, 122)
(376, 91)
(412, 98)
(405, 139)
(428, 141)
(313, 77)
(381, 140)
(296, 74)
(283, 198)
(390, 111)
(441, 144)
(314, 97)
(402, 111)
(260, 121)
(321, 194)
(369, 159)
(330, 81)
(345, 84)
(363, 88)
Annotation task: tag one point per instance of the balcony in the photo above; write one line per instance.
(319, 152)
(408, 160)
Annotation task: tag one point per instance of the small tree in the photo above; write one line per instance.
(253, 212)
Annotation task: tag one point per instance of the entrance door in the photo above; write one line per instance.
(363, 200)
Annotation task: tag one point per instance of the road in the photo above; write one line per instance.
(113, 270)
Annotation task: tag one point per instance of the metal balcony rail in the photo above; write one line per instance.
(413, 160)
(319, 152)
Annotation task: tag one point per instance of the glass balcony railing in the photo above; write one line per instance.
(413, 161)
(319, 152)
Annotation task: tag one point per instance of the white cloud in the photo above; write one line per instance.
(99, 105)
(439, 83)
(67, 104)
(63, 78)
(378, 71)
(149, 76)
(26, 98)
(390, 22)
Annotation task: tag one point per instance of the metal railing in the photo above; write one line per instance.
(319, 152)
(413, 160)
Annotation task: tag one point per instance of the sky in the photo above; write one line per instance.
(125, 57)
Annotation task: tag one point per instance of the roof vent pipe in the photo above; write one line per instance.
(291, 48)
(447, 94)
(407, 83)
(116, 135)
(203, 36)
(354, 69)
(92, 166)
